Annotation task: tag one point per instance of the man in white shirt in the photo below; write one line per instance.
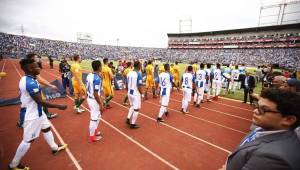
(207, 89)
(94, 84)
(187, 83)
(134, 83)
(200, 85)
(165, 83)
(35, 119)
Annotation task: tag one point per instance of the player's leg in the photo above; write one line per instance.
(136, 106)
(153, 88)
(82, 97)
(146, 90)
(94, 120)
(214, 87)
(218, 88)
(131, 109)
(31, 131)
(163, 108)
(76, 97)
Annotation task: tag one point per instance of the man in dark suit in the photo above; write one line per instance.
(248, 84)
(274, 144)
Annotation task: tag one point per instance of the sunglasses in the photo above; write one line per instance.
(263, 111)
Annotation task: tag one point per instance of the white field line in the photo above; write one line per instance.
(171, 127)
(71, 156)
(226, 104)
(205, 120)
(126, 136)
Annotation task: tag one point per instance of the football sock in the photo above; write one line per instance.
(134, 117)
(21, 151)
(130, 112)
(50, 140)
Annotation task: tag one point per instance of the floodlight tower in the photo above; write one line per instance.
(185, 25)
(283, 12)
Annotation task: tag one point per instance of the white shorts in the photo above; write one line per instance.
(187, 95)
(134, 101)
(216, 84)
(32, 128)
(94, 109)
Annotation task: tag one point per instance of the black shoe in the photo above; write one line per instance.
(19, 124)
(167, 113)
(194, 103)
(19, 167)
(134, 126)
(198, 105)
(128, 121)
(160, 120)
(60, 148)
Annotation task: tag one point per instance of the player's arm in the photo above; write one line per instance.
(33, 89)
(44, 82)
(38, 99)
(140, 83)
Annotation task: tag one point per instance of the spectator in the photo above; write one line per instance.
(248, 84)
(274, 143)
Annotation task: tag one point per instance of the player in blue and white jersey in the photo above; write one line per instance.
(207, 89)
(134, 85)
(234, 80)
(200, 79)
(216, 81)
(93, 85)
(187, 83)
(35, 120)
(165, 83)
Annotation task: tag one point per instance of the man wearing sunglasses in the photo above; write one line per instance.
(274, 144)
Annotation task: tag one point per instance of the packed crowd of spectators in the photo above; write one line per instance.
(15, 45)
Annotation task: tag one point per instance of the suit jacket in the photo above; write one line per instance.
(279, 151)
(251, 82)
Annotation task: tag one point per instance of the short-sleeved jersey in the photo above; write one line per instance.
(195, 67)
(217, 74)
(28, 86)
(134, 80)
(187, 80)
(127, 70)
(165, 82)
(176, 70)
(161, 69)
(106, 72)
(150, 71)
(200, 78)
(93, 84)
(76, 69)
(235, 74)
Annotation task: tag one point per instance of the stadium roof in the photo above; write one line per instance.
(242, 30)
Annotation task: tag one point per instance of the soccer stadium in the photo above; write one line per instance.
(223, 99)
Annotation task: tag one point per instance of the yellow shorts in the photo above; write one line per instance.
(150, 83)
(108, 90)
(76, 88)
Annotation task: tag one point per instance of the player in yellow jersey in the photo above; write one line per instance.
(78, 86)
(125, 72)
(176, 75)
(107, 77)
(150, 83)
(161, 69)
(195, 67)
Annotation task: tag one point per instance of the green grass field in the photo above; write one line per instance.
(238, 95)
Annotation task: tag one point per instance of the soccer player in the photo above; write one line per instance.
(165, 82)
(234, 79)
(107, 77)
(187, 83)
(78, 86)
(176, 74)
(42, 81)
(150, 79)
(200, 83)
(94, 84)
(35, 119)
(125, 73)
(217, 82)
(208, 82)
(134, 79)
(65, 70)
